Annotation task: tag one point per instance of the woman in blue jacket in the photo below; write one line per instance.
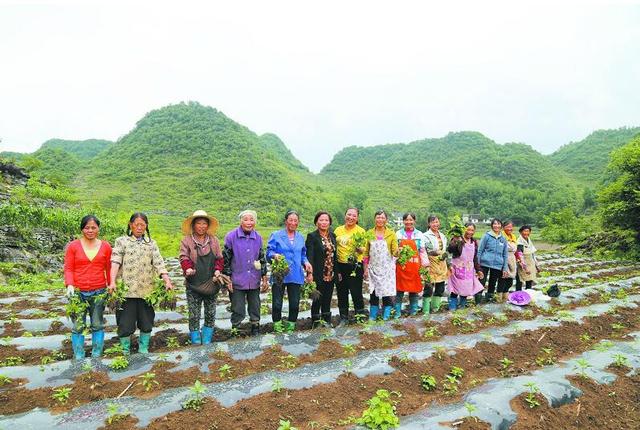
(492, 255)
(288, 244)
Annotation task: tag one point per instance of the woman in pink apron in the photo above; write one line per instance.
(465, 269)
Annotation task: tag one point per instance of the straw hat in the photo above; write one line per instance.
(213, 222)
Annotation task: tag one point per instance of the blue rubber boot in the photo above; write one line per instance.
(463, 303)
(143, 343)
(373, 312)
(398, 309)
(386, 313)
(413, 305)
(77, 344)
(195, 337)
(97, 343)
(207, 335)
(453, 303)
(125, 343)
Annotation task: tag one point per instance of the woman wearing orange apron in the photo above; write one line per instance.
(408, 277)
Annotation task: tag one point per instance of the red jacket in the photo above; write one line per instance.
(85, 274)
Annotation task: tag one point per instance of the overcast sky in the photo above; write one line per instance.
(322, 77)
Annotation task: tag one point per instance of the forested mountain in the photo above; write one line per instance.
(462, 171)
(587, 159)
(83, 149)
(187, 156)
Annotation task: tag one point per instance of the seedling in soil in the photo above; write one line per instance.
(286, 425)
(603, 346)
(172, 342)
(196, 400)
(224, 371)
(11, 361)
(116, 349)
(114, 415)
(582, 365)
(4, 380)
(348, 365)
(278, 328)
(527, 313)
(381, 413)
(470, 409)
(119, 363)
(547, 358)
(621, 294)
(148, 381)
(59, 355)
(451, 385)
(361, 319)
(428, 382)
(620, 360)
(163, 356)
(506, 363)
(531, 399)
(605, 296)
(585, 338)
(440, 352)
(431, 332)
(276, 385)
(457, 372)
(61, 394)
(404, 357)
(27, 334)
(6, 340)
(86, 367)
(288, 361)
(348, 349)
(387, 339)
(617, 326)
(46, 360)
(565, 316)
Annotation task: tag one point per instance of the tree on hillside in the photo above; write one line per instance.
(620, 199)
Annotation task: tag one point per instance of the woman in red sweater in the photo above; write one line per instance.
(87, 267)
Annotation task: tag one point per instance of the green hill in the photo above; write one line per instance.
(461, 172)
(187, 156)
(83, 149)
(587, 159)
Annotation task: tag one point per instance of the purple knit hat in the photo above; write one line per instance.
(519, 298)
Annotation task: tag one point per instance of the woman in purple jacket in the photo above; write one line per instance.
(245, 263)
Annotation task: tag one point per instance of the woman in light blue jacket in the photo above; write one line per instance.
(492, 256)
(290, 244)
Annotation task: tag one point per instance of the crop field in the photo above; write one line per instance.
(565, 363)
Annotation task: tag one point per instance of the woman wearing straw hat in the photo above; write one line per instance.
(202, 262)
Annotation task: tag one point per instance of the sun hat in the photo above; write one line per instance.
(213, 222)
(519, 298)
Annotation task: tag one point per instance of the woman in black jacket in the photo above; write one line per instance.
(321, 253)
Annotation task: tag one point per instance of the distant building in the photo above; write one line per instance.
(476, 219)
(396, 217)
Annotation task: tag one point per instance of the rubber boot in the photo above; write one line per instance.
(426, 306)
(143, 343)
(97, 343)
(453, 303)
(386, 313)
(373, 312)
(77, 344)
(463, 303)
(125, 343)
(255, 329)
(207, 334)
(398, 309)
(435, 303)
(326, 317)
(195, 337)
(413, 305)
(290, 326)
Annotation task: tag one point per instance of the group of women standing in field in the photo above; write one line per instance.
(341, 258)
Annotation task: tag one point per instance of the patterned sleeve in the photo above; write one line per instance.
(117, 253)
(157, 260)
